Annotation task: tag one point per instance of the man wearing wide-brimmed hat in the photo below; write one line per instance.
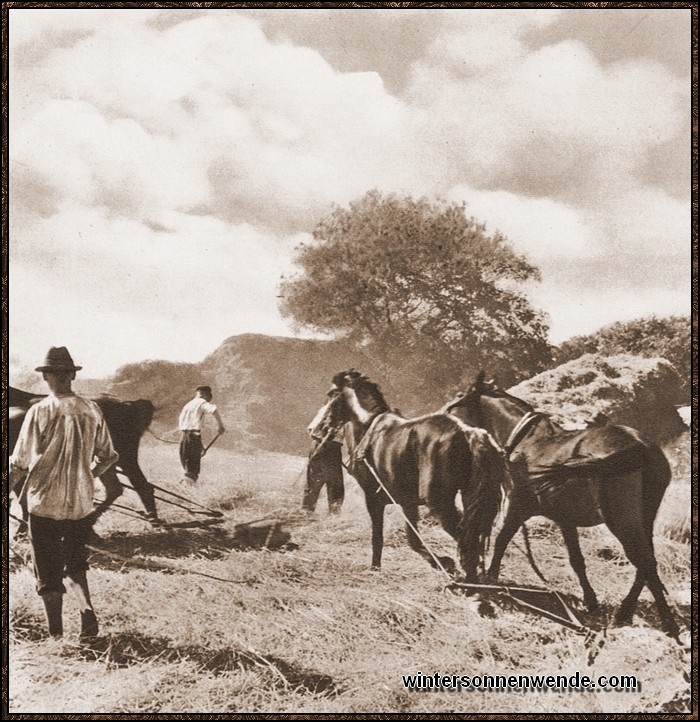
(63, 445)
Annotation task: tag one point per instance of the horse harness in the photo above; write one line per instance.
(521, 429)
(543, 482)
(546, 479)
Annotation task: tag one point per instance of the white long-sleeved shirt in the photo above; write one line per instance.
(63, 444)
(193, 412)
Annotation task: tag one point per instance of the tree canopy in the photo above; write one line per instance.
(420, 279)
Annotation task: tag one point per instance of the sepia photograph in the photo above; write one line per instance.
(349, 359)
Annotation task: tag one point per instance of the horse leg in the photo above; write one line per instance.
(113, 490)
(656, 475)
(414, 541)
(452, 522)
(515, 517)
(578, 564)
(450, 519)
(626, 608)
(630, 523)
(141, 486)
(448, 515)
(645, 562)
(376, 515)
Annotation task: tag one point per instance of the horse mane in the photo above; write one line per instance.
(369, 389)
(496, 392)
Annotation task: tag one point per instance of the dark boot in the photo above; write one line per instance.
(88, 624)
(53, 606)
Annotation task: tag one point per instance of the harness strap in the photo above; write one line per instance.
(521, 428)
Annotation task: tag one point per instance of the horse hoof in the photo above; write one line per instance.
(592, 604)
(671, 629)
(622, 619)
(481, 606)
(485, 608)
(448, 564)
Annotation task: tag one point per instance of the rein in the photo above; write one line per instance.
(367, 436)
(158, 438)
(205, 509)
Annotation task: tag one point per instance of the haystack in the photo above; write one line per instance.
(630, 390)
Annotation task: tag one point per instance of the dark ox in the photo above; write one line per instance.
(126, 421)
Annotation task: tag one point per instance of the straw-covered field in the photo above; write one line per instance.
(309, 628)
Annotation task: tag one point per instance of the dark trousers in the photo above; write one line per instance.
(58, 550)
(191, 453)
(325, 467)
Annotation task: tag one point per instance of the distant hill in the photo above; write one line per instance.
(273, 386)
(32, 382)
(267, 388)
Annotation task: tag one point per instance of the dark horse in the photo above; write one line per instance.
(127, 421)
(426, 460)
(605, 474)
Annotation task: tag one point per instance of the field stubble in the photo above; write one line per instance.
(309, 628)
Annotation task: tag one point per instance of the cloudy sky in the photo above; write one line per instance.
(165, 163)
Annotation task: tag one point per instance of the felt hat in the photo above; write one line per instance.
(58, 359)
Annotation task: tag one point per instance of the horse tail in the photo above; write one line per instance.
(483, 498)
(656, 474)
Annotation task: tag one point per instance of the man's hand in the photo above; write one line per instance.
(17, 479)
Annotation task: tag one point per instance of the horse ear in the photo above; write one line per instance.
(480, 378)
(339, 379)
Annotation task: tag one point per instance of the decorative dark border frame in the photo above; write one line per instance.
(6, 6)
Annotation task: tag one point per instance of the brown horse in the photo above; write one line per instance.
(604, 474)
(425, 460)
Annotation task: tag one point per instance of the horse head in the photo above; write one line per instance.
(466, 406)
(484, 402)
(364, 398)
(324, 424)
(144, 411)
(351, 398)
(344, 378)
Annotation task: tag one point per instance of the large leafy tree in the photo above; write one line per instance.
(422, 284)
